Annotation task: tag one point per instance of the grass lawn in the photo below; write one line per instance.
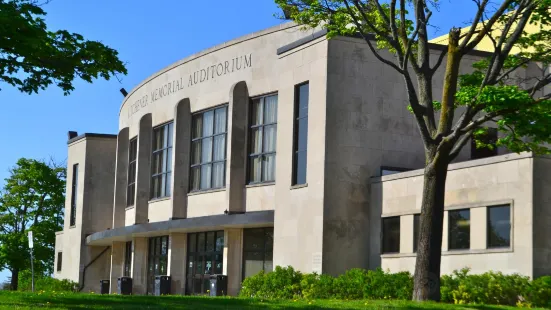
(18, 300)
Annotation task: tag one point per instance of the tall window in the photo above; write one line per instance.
(263, 133)
(416, 223)
(208, 149)
(391, 235)
(459, 229)
(157, 260)
(499, 227)
(74, 193)
(162, 161)
(205, 257)
(489, 138)
(300, 134)
(127, 259)
(258, 246)
(132, 155)
(59, 261)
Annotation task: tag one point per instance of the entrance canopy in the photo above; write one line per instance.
(195, 224)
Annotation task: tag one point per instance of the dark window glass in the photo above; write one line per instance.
(489, 138)
(416, 223)
(208, 149)
(300, 143)
(258, 246)
(263, 134)
(59, 260)
(157, 260)
(459, 225)
(161, 162)
(392, 170)
(132, 155)
(128, 259)
(74, 194)
(205, 256)
(391, 235)
(499, 226)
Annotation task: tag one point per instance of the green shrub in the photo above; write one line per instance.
(539, 292)
(350, 285)
(386, 285)
(314, 286)
(281, 283)
(43, 283)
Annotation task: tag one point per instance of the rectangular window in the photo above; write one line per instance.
(157, 261)
(161, 166)
(263, 134)
(392, 170)
(416, 223)
(74, 193)
(300, 143)
(208, 149)
(459, 229)
(132, 155)
(128, 259)
(489, 138)
(391, 235)
(59, 261)
(258, 246)
(205, 257)
(499, 227)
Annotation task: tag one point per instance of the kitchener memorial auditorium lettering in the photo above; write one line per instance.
(197, 77)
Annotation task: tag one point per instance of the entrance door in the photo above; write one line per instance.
(205, 258)
(157, 261)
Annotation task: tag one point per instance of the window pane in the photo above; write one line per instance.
(302, 134)
(208, 123)
(168, 190)
(268, 262)
(206, 173)
(201, 242)
(255, 168)
(218, 174)
(301, 163)
(169, 136)
(218, 263)
(459, 229)
(269, 237)
(416, 223)
(254, 239)
(192, 239)
(254, 263)
(210, 241)
(303, 100)
(256, 140)
(157, 139)
(165, 136)
(499, 226)
(256, 113)
(220, 120)
(155, 187)
(197, 126)
(270, 109)
(219, 147)
(196, 152)
(206, 151)
(195, 178)
(270, 134)
(162, 186)
(268, 168)
(219, 241)
(391, 235)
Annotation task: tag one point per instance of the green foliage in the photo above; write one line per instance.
(33, 57)
(316, 286)
(539, 292)
(281, 283)
(32, 199)
(45, 283)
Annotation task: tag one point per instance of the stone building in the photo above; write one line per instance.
(283, 148)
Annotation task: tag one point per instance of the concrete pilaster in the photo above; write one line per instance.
(236, 175)
(182, 143)
(117, 265)
(139, 266)
(233, 259)
(144, 169)
(177, 251)
(121, 178)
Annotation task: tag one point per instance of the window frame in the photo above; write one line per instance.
(251, 128)
(59, 266)
(212, 162)
(488, 226)
(296, 124)
(74, 196)
(383, 233)
(394, 169)
(132, 164)
(127, 267)
(166, 191)
(450, 228)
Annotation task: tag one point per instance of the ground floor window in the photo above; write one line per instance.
(205, 258)
(59, 260)
(157, 260)
(391, 235)
(459, 229)
(258, 245)
(127, 258)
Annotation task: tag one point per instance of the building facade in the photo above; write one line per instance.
(282, 148)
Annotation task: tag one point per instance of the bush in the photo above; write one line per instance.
(316, 286)
(44, 283)
(539, 292)
(385, 285)
(281, 283)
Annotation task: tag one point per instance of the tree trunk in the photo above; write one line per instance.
(427, 266)
(14, 282)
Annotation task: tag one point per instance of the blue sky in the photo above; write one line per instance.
(149, 36)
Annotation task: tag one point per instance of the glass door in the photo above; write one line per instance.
(157, 261)
(205, 258)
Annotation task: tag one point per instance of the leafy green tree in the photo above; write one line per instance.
(491, 93)
(33, 57)
(33, 198)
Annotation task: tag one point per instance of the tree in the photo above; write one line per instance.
(491, 93)
(33, 198)
(32, 57)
